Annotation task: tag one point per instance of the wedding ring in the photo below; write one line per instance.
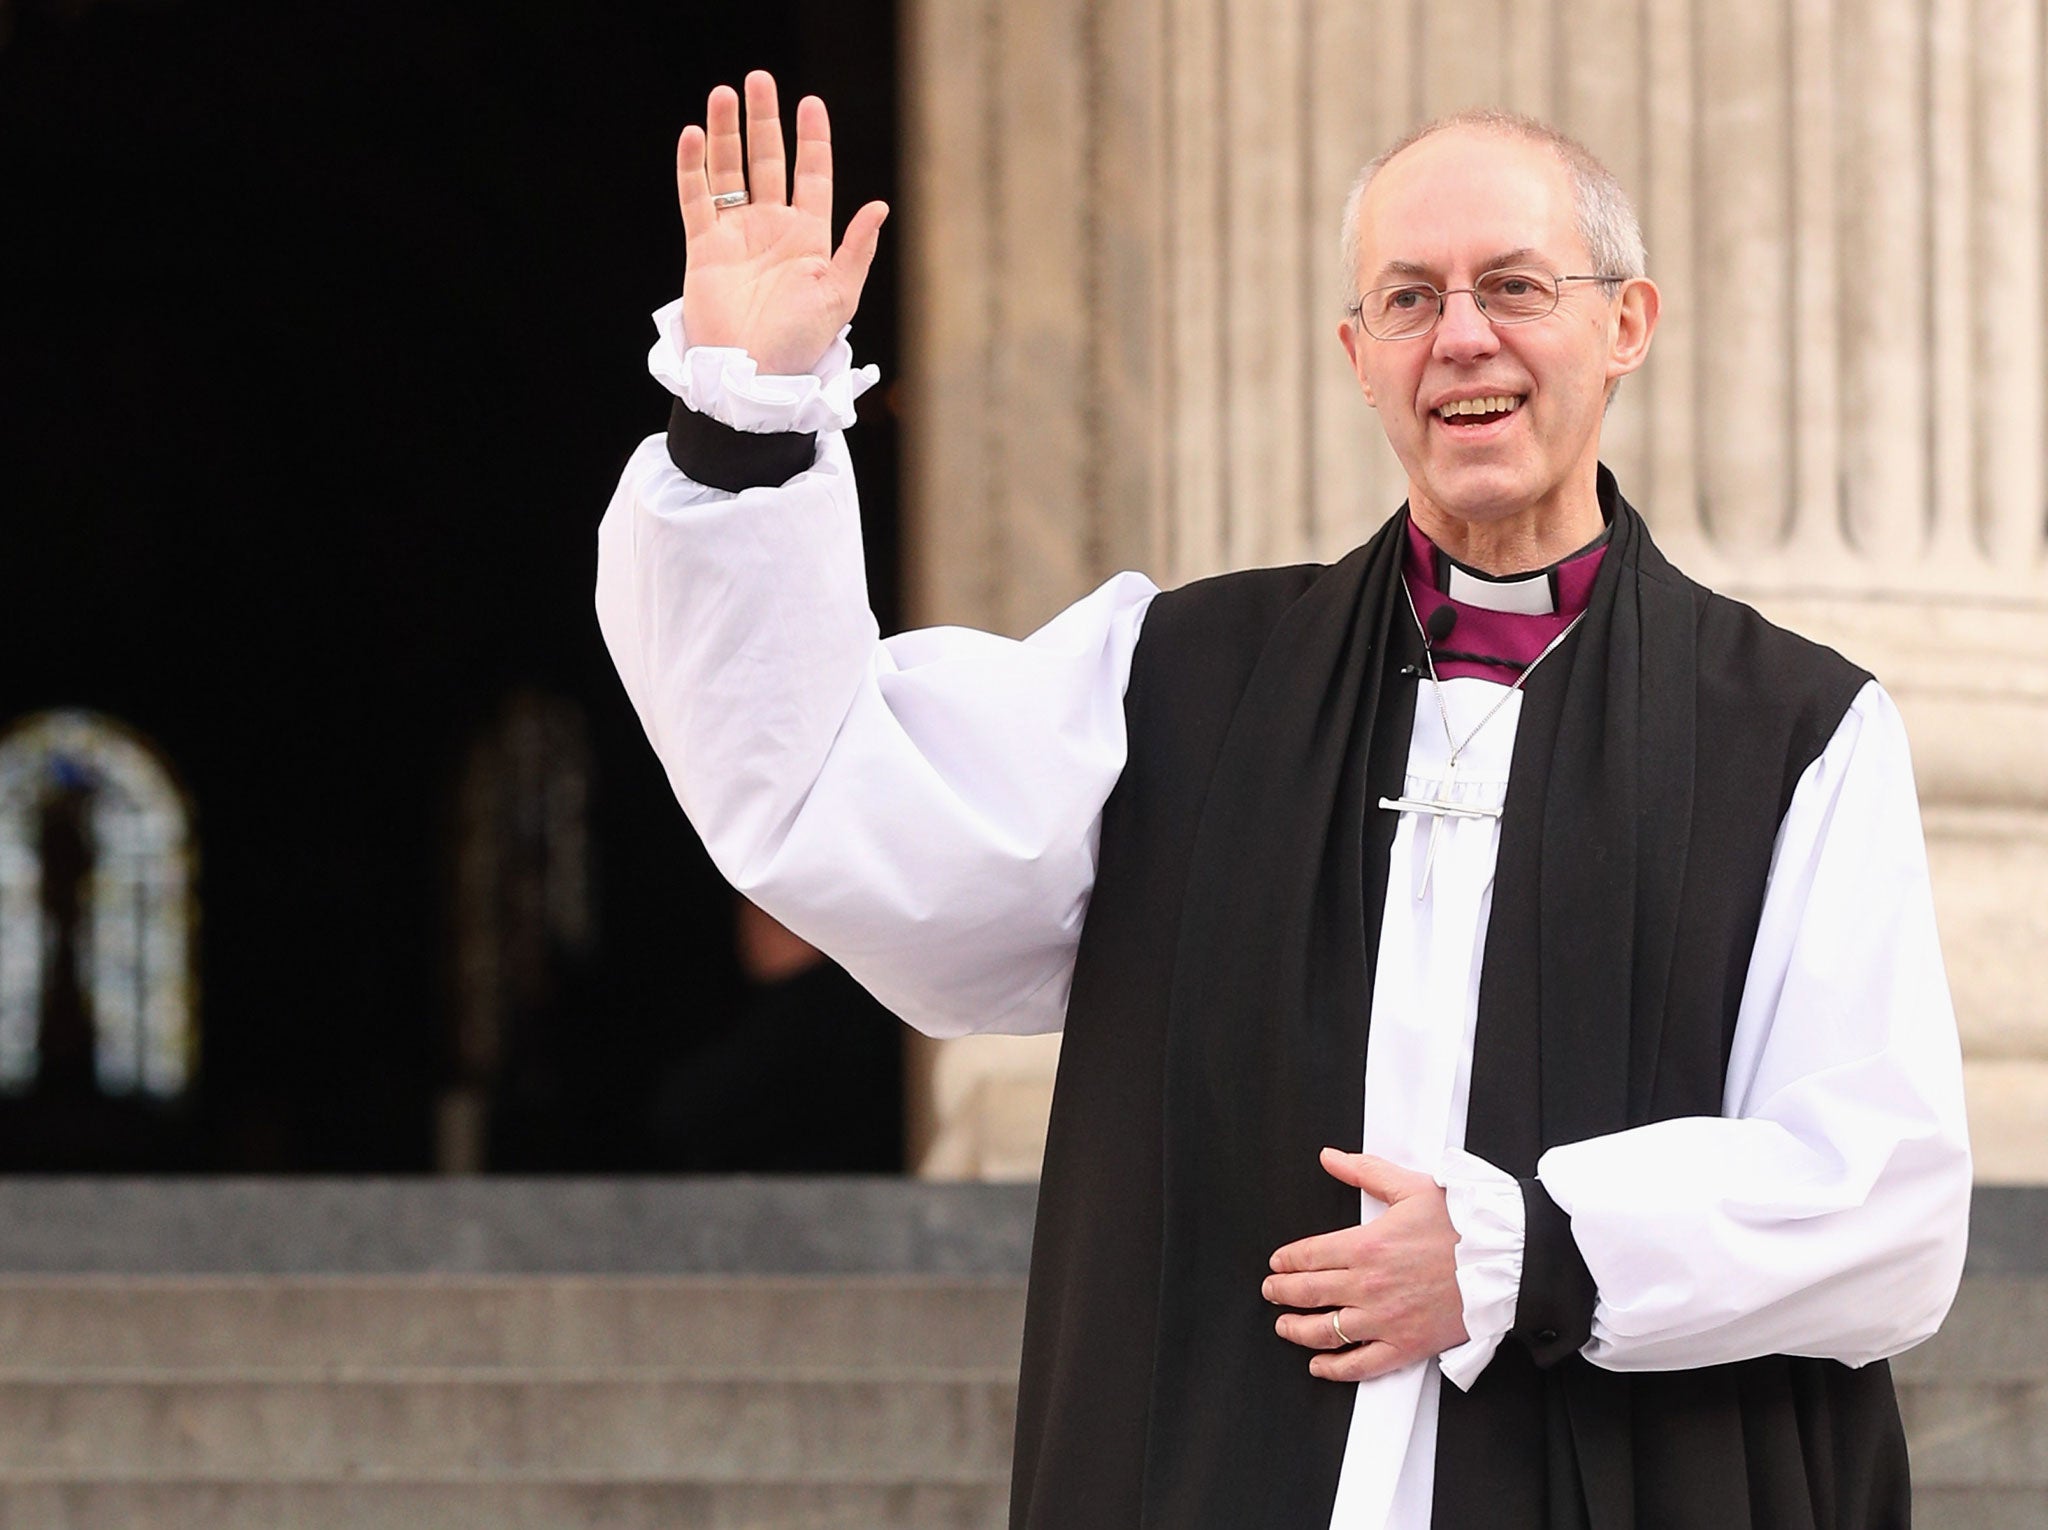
(1344, 1340)
(726, 199)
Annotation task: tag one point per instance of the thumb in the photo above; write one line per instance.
(1379, 1179)
(857, 250)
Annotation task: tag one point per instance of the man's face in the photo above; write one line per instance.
(1445, 211)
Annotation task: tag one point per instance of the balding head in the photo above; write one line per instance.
(1601, 210)
(1487, 198)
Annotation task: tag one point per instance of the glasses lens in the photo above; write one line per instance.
(1396, 313)
(1515, 297)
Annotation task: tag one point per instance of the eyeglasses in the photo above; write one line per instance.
(1410, 310)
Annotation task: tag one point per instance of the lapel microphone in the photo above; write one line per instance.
(1434, 631)
(1441, 621)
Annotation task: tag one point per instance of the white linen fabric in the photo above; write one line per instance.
(723, 382)
(1418, 1081)
(924, 809)
(927, 810)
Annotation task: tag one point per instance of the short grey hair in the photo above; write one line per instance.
(1605, 218)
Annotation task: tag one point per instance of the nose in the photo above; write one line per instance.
(1464, 333)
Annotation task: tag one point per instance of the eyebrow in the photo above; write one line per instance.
(1409, 270)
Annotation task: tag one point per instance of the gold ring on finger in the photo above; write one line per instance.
(1344, 1340)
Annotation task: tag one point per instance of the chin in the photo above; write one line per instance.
(1481, 494)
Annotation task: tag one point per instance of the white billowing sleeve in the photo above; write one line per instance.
(926, 809)
(1484, 1204)
(1825, 1211)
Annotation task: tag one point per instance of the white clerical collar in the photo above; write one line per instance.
(1524, 594)
(1533, 594)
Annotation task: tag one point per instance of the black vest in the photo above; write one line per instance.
(1215, 1040)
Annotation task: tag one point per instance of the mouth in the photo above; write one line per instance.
(1463, 414)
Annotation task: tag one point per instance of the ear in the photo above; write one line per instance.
(1635, 321)
(1352, 338)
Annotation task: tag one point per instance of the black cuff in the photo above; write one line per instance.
(1554, 1313)
(720, 457)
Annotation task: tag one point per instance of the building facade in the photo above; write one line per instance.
(1121, 297)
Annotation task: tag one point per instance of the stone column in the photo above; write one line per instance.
(1123, 296)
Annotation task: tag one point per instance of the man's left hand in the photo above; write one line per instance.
(1393, 1283)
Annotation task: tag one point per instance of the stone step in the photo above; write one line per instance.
(754, 1429)
(638, 1506)
(658, 1383)
(1997, 1331)
(1975, 1403)
(433, 1506)
(1988, 1434)
(1980, 1508)
(363, 1324)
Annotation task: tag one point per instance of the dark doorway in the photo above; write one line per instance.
(321, 340)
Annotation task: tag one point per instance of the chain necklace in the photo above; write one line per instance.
(1442, 806)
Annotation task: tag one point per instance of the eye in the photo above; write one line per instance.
(1407, 299)
(1515, 286)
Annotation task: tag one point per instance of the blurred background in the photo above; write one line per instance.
(328, 840)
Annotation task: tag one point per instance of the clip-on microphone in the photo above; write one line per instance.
(1439, 626)
(1434, 631)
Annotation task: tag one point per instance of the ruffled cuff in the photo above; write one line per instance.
(721, 382)
(1485, 1205)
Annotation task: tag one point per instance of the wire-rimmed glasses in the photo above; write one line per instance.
(1410, 310)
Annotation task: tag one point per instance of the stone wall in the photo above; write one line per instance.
(1123, 291)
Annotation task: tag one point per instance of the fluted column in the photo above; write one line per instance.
(1998, 284)
(1265, 278)
(1885, 230)
(1813, 322)
(1190, 266)
(1352, 472)
(1666, 204)
(1598, 49)
(1123, 293)
(1745, 261)
(1951, 339)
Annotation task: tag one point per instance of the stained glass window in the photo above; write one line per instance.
(96, 905)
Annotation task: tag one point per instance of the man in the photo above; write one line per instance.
(1592, 907)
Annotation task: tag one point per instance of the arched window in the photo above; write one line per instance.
(523, 907)
(96, 911)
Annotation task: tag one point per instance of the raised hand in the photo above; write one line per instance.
(763, 275)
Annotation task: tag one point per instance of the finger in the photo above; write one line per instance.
(857, 250)
(1360, 1364)
(813, 158)
(726, 170)
(1313, 1330)
(1318, 1288)
(692, 190)
(767, 176)
(1337, 1250)
(1379, 1179)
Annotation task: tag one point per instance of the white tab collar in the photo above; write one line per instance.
(1525, 595)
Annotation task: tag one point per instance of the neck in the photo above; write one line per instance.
(1533, 537)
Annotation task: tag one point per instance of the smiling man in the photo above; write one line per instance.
(1508, 1078)
(1500, 468)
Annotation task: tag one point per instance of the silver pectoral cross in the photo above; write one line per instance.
(1438, 808)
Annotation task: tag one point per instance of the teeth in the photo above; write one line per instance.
(1499, 403)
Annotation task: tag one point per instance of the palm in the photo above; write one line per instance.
(763, 275)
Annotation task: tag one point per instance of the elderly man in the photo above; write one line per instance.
(1586, 903)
